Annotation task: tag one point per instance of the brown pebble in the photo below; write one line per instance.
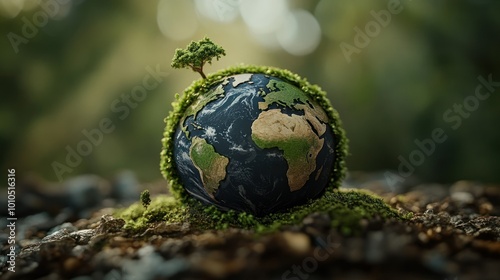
(485, 208)
(297, 242)
(259, 248)
(423, 237)
(71, 264)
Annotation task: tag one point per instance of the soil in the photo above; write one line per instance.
(71, 234)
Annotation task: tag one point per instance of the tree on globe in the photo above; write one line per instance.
(253, 139)
(196, 55)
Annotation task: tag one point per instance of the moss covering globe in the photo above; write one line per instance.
(253, 139)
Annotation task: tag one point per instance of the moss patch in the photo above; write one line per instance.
(345, 207)
(202, 87)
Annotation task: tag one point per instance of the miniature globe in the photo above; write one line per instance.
(254, 143)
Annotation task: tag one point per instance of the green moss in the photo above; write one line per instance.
(346, 209)
(202, 88)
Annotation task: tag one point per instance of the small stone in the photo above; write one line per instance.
(162, 228)
(172, 247)
(462, 198)
(109, 224)
(485, 208)
(354, 249)
(125, 187)
(83, 236)
(456, 220)
(67, 226)
(151, 266)
(79, 250)
(435, 261)
(85, 191)
(473, 188)
(71, 264)
(54, 250)
(467, 256)
(33, 223)
(422, 236)
(298, 243)
(259, 248)
(375, 247)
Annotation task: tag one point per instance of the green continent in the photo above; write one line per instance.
(210, 164)
(295, 137)
(283, 94)
(287, 95)
(193, 110)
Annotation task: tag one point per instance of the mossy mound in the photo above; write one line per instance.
(201, 87)
(346, 209)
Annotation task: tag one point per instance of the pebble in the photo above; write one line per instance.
(151, 266)
(473, 188)
(109, 224)
(83, 236)
(462, 198)
(298, 243)
(33, 223)
(375, 247)
(172, 247)
(354, 249)
(162, 228)
(125, 187)
(67, 226)
(85, 191)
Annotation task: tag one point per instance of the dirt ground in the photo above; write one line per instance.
(71, 234)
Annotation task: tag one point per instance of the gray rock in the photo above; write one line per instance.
(375, 247)
(85, 191)
(126, 187)
(462, 198)
(151, 265)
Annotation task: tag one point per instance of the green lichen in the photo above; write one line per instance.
(346, 208)
(202, 88)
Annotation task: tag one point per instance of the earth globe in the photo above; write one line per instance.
(253, 139)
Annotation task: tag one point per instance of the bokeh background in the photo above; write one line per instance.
(64, 65)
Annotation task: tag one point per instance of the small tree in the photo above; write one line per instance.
(196, 54)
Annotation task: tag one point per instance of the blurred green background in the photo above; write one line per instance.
(67, 65)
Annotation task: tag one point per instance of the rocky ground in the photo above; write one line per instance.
(68, 232)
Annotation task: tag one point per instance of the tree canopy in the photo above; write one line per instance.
(196, 54)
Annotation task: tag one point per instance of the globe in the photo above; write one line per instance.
(254, 143)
